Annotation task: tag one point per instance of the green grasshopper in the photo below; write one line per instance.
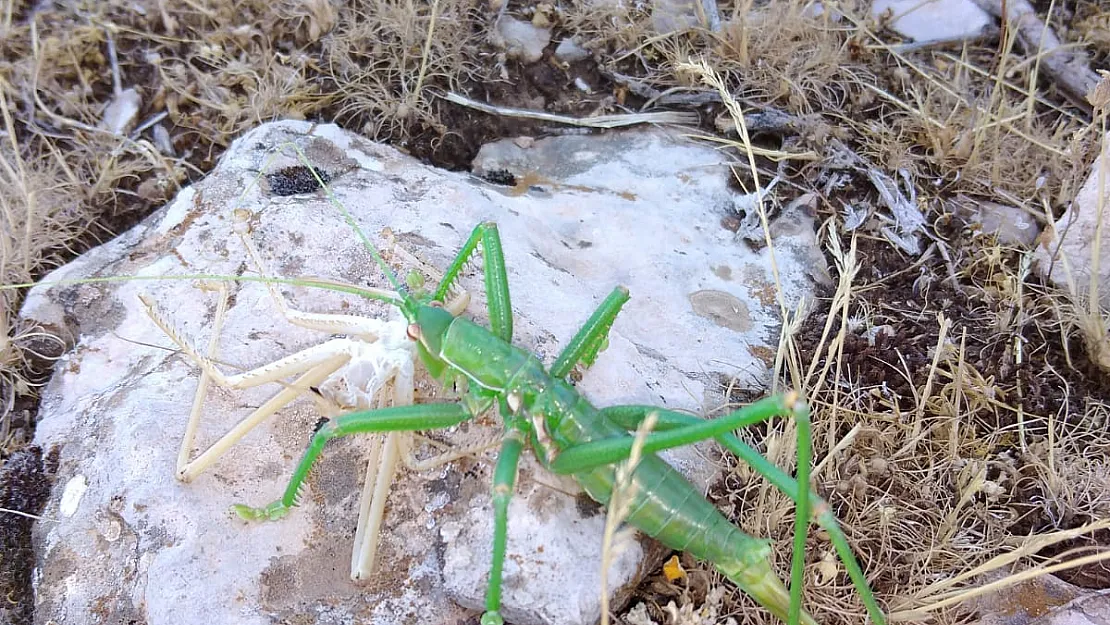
(541, 409)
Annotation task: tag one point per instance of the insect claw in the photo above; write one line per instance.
(790, 400)
(271, 512)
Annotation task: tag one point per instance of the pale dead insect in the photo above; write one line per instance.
(368, 364)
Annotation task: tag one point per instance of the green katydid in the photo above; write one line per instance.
(540, 408)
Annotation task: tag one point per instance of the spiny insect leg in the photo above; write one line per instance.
(592, 337)
(496, 277)
(394, 419)
(504, 481)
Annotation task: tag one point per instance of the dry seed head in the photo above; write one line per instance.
(1099, 97)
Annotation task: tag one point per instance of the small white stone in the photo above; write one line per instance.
(522, 40)
(120, 114)
(568, 51)
(934, 20)
(1074, 235)
(72, 493)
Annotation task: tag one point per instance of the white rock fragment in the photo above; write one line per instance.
(1040, 600)
(569, 51)
(521, 40)
(163, 141)
(638, 208)
(817, 9)
(1069, 245)
(668, 16)
(1090, 609)
(71, 495)
(1010, 224)
(933, 20)
(119, 115)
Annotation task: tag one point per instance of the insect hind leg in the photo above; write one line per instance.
(368, 328)
(629, 418)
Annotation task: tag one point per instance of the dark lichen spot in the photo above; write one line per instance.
(586, 506)
(501, 176)
(26, 478)
(295, 180)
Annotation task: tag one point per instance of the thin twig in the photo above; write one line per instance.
(601, 121)
(1071, 68)
(27, 515)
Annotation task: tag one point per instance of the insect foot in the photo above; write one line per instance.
(271, 512)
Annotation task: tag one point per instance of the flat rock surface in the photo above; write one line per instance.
(1042, 600)
(127, 542)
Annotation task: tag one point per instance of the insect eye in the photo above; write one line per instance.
(413, 332)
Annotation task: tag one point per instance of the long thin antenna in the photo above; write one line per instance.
(330, 285)
(370, 247)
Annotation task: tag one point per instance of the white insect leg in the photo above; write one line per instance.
(420, 466)
(382, 468)
(385, 449)
(283, 398)
(367, 328)
(315, 365)
(371, 511)
(202, 385)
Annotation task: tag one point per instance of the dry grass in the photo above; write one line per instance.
(933, 496)
(949, 465)
(382, 87)
(945, 474)
(40, 216)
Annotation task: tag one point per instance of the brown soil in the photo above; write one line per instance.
(25, 483)
(912, 304)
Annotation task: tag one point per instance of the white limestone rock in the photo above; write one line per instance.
(1066, 252)
(127, 541)
(521, 40)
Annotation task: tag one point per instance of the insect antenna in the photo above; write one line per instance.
(397, 285)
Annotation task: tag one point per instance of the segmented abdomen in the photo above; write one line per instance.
(664, 504)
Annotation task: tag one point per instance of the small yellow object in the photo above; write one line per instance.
(673, 570)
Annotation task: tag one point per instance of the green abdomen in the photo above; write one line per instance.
(665, 505)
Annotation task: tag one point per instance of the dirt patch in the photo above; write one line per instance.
(25, 483)
(894, 363)
(898, 334)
